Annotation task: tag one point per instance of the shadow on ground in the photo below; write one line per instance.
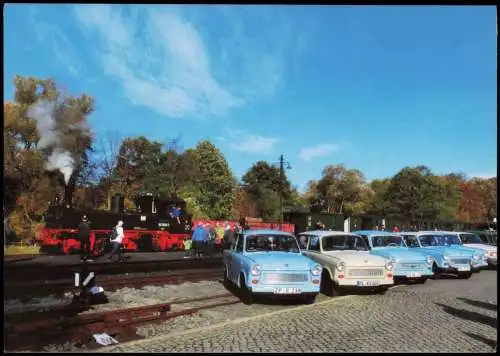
(470, 315)
(489, 342)
(477, 303)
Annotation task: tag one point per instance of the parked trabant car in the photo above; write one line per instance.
(408, 264)
(446, 259)
(347, 262)
(472, 240)
(480, 258)
(269, 262)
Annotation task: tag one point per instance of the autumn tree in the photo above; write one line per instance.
(46, 138)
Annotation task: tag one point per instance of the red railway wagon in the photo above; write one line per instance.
(66, 241)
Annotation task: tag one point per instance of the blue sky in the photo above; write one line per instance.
(376, 88)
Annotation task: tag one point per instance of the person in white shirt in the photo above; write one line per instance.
(116, 241)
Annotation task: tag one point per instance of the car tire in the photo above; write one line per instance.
(226, 279)
(328, 286)
(435, 270)
(465, 275)
(310, 299)
(246, 294)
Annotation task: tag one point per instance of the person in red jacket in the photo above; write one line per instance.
(395, 229)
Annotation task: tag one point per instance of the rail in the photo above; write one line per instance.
(121, 324)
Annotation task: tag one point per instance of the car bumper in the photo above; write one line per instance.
(456, 269)
(364, 283)
(412, 274)
(285, 290)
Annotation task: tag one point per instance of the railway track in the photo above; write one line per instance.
(58, 287)
(33, 335)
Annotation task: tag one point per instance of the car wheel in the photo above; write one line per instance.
(465, 275)
(310, 299)
(435, 270)
(246, 294)
(226, 280)
(328, 286)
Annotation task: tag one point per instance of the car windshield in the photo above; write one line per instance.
(447, 240)
(342, 243)
(285, 243)
(387, 241)
(471, 239)
(428, 240)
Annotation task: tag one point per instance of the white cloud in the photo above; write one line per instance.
(307, 154)
(56, 41)
(159, 59)
(248, 143)
(483, 175)
(165, 63)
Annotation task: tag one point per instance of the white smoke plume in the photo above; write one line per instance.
(61, 160)
(49, 128)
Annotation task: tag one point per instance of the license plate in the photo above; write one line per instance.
(287, 291)
(413, 275)
(367, 283)
(463, 268)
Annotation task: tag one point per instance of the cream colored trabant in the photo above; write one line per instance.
(347, 263)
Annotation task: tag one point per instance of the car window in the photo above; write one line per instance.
(313, 243)
(343, 242)
(470, 239)
(365, 240)
(239, 243)
(302, 241)
(411, 240)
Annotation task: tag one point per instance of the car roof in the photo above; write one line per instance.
(375, 232)
(321, 233)
(266, 232)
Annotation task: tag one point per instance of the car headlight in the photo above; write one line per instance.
(255, 270)
(492, 253)
(340, 266)
(430, 260)
(389, 265)
(316, 270)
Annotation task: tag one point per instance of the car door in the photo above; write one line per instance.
(238, 257)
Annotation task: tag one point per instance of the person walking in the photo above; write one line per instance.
(116, 241)
(84, 235)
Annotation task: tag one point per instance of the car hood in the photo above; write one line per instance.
(357, 258)
(482, 247)
(449, 251)
(399, 253)
(281, 260)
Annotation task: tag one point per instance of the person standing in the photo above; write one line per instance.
(84, 235)
(188, 244)
(116, 241)
(197, 239)
(396, 229)
(227, 237)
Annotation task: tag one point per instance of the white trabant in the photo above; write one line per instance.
(347, 262)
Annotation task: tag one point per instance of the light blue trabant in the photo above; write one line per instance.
(446, 259)
(408, 263)
(472, 241)
(269, 262)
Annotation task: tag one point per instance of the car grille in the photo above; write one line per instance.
(412, 265)
(460, 261)
(270, 278)
(367, 272)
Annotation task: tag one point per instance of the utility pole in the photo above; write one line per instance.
(282, 163)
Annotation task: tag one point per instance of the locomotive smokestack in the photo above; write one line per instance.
(68, 196)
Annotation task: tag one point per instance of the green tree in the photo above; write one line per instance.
(214, 180)
(339, 190)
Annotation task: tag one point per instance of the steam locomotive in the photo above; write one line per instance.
(152, 227)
